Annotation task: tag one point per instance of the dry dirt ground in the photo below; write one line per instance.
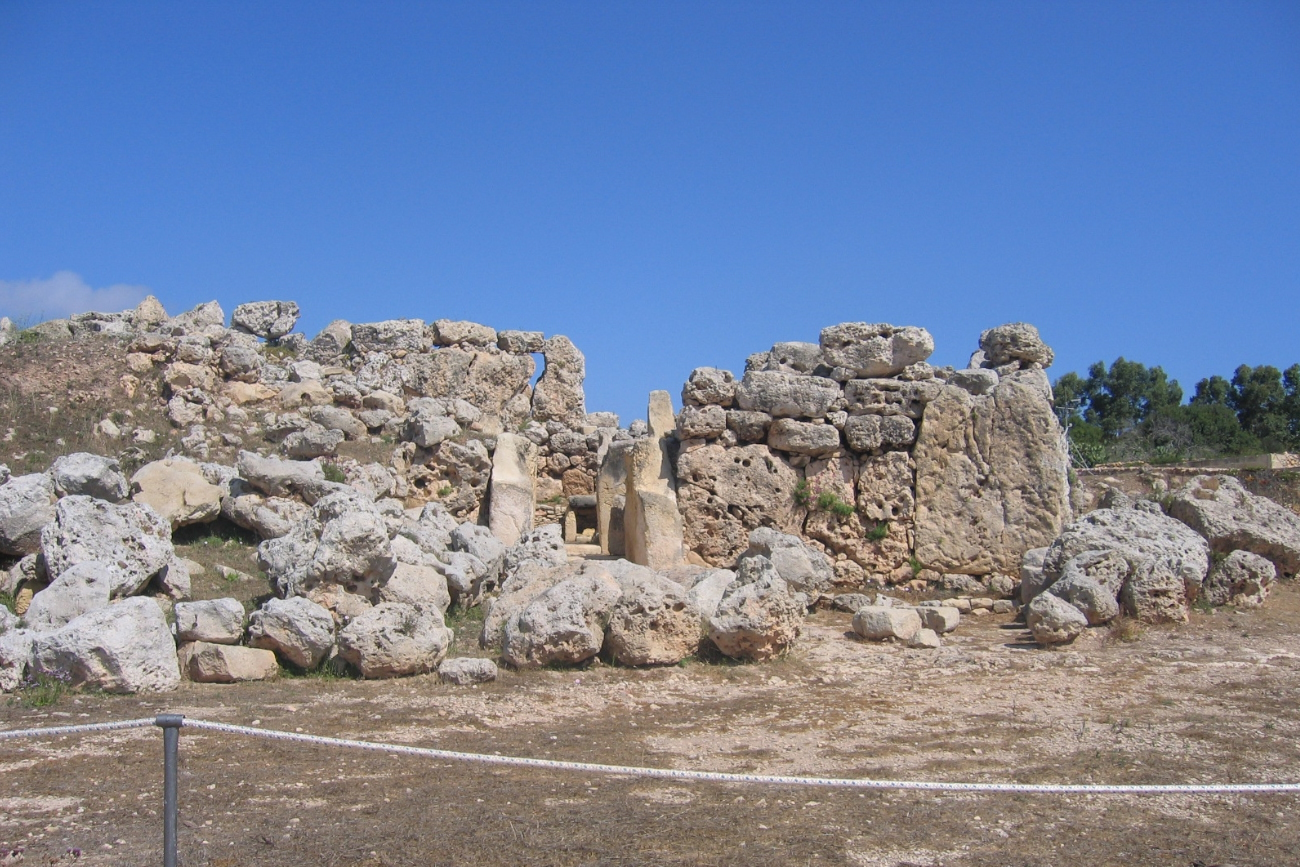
(1212, 701)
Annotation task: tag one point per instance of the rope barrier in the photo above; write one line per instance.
(670, 773)
(77, 729)
(722, 777)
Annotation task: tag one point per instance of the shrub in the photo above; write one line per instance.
(878, 532)
(333, 473)
(802, 492)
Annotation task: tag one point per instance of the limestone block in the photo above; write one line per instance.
(450, 332)
(991, 477)
(1015, 342)
(92, 475)
(890, 396)
(879, 623)
(467, 671)
(709, 386)
(217, 621)
(393, 640)
(611, 498)
(299, 630)
(26, 505)
(558, 395)
(786, 395)
(83, 588)
(223, 663)
(1052, 620)
(132, 536)
(707, 422)
(803, 438)
(1231, 518)
(758, 620)
(875, 350)
(1241, 578)
(653, 623)
(124, 648)
(749, 427)
(511, 493)
(177, 489)
(564, 624)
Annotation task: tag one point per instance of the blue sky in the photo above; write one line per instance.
(671, 184)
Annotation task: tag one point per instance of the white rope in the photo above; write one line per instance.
(77, 729)
(719, 777)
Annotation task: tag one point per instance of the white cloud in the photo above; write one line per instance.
(62, 295)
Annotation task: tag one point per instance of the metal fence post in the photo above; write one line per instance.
(171, 724)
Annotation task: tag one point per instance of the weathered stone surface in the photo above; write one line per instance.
(652, 523)
(795, 357)
(419, 586)
(978, 381)
(353, 547)
(394, 639)
(1241, 578)
(177, 489)
(653, 623)
(1032, 579)
(706, 422)
(1052, 620)
(15, 657)
(428, 430)
(279, 478)
(868, 433)
(559, 395)
(133, 537)
(1156, 591)
(337, 418)
(940, 618)
(92, 475)
(217, 621)
(221, 663)
(1097, 602)
(611, 498)
(521, 342)
(124, 648)
(314, 441)
(803, 438)
(26, 505)
(467, 671)
(81, 589)
(511, 494)
(726, 492)
(757, 618)
(803, 568)
(709, 386)
(300, 631)
(564, 624)
(890, 396)
(879, 623)
(389, 335)
(749, 427)
(542, 547)
(268, 517)
(1015, 342)
(991, 477)
(1231, 518)
(875, 350)
(467, 468)
(450, 332)
(1139, 536)
(706, 591)
(786, 395)
(270, 320)
(878, 534)
(480, 543)
(194, 321)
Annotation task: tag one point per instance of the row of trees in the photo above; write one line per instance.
(1129, 411)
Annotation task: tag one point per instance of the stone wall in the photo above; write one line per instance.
(895, 468)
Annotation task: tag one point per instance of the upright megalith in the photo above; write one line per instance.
(559, 395)
(511, 492)
(652, 525)
(611, 498)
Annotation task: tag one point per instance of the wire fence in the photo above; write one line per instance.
(172, 723)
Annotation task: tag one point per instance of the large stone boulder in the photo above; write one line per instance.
(709, 386)
(565, 624)
(15, 657)
(216, 621)
(299, 631)
(26, 505)
(269, 320)
(1141, 538)
(82, 588)
(92, 475)
(124, 648)
(882, 623)
(803, 568)
(653, 623)
(724, 493)
(1231, 518)
(1241, 578)
(132, 536)
(1052, 620)
(786, 395)
(177, 489)
(757, 618)
(467, 671)
(991, 476)
(206, 662)
(1015, 342)
(652, 521)
(416, 585)
(393, 640)
(279, 478)
(803, 438)
(875, 350)
(268, 517)
(344, 541)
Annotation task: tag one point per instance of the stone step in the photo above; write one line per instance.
(578, 551)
